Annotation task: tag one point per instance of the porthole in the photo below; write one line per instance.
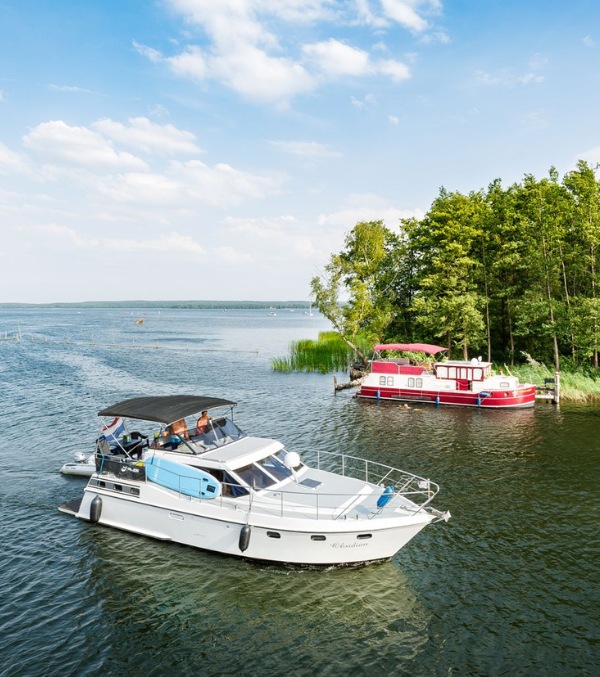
(318, 537)
(273, 534)
(363, 537)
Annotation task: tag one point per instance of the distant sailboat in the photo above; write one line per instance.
(309, 312)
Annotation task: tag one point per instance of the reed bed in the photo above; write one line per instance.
(327, 354)
(575, 386)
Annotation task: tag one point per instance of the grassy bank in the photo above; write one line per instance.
(575, 386)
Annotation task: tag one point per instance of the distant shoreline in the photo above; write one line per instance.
(203, 305)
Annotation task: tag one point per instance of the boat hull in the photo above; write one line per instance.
(211, 526)
(495, 399)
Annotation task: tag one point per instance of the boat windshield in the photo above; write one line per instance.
(264, 473)
(218, 432)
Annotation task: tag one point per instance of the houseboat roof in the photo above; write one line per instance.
(413, 347)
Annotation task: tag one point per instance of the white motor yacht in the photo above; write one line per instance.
(218, 489)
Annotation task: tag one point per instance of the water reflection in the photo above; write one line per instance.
(225, 615)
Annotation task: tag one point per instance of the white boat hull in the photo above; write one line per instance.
(201, 524)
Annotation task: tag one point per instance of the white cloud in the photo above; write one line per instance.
(591, 156)
(405, 13)
(337, 58)
(59, 143)
(588, 41)
(309, 149)
(393, 119)
(11, 161)
(64, 238)
(2, 95)
(230, 255)
(150, 53)
(144, 135)
(70, 89)
(241, 47)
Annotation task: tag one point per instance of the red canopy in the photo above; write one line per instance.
(413, 347)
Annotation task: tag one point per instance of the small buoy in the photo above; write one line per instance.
(437, 400)
(245, 537)
(96, 509)
(386, 497)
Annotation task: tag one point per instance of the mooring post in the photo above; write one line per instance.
(557, 387)
(334, 384)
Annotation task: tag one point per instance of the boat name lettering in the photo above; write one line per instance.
(348, 545)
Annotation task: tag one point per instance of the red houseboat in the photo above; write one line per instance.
(463, 383)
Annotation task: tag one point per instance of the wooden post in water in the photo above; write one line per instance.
(334, 384)
(557, 387)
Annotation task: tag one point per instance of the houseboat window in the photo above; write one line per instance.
(275, 468)
(382, 380)
(464, 373)
(442, 372)
(390, 380)
(451, 372)
(478, 374)
(411, 382)
(255, 477)
(419, 383)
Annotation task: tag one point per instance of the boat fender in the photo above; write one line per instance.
(386, 497)
(95, 509)
(245, 537)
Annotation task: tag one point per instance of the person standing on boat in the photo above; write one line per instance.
(202, 423)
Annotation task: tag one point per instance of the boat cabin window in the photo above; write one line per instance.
(419, 383)
(255, 477)
(382, 380)
(275, 468)
(390, 380)
(411, 382)
(504, 384)
(229, 485)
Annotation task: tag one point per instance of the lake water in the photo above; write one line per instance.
(510, 586)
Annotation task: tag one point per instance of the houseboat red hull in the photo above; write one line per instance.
(463, 383)
(502, 399)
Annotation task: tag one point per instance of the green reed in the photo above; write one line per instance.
(329, 353)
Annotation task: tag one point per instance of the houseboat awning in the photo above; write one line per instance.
(163, 409)
(413, 347)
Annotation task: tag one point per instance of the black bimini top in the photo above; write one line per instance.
(163, 409)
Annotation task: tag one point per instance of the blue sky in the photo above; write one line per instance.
(222, 149)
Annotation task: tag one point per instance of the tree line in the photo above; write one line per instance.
(503, 272)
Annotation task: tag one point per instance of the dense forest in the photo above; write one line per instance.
(507, 273)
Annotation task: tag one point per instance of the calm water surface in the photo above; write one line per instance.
(508, 587)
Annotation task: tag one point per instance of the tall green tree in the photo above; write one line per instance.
(449, 304)
(353, 292)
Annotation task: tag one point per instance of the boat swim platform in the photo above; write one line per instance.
(72, 507)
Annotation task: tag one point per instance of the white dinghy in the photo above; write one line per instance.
(82, 466)
(214, 487)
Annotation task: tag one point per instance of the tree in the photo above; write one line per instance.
(364, 273)
(449, 302)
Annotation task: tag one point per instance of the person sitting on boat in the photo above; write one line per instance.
(179, 428)
(202, 423)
